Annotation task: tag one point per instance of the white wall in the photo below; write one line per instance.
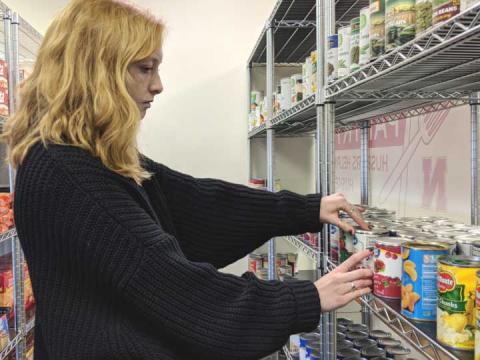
(199, 124)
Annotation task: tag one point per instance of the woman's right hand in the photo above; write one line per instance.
(345, 284)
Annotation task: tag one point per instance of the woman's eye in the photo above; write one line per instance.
(146, 69)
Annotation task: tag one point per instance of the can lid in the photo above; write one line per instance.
(426, 245)
(468, 239)
(390, 241)
(389, 342)
(380, 333)
(397, 350)
(373, 351)
(460, 261)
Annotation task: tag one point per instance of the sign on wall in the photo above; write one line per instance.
(418, 166)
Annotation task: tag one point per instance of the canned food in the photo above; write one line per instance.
(344, 321)
(255, 262)
(399, 22)
(372, 352)
(315, 355)
(444, 10)
(346, 353)
(341, 329)
(388, 267)
(354, 44)
(477, 317)
(285, 270)
(311, 348)
(456, 298)
(358, 327)
(365, 239)
(363, 343)
(419, 279)
(356, 335)
(344, 51)
(305, 340)
(466, 243)
(364, 35)
(452, 244)
(281, 260)
(334, 242)
(379, 334)
(346, 245)
(383, 343)
(332, 57)
(344, 344)
(397, 352)
(262, 274)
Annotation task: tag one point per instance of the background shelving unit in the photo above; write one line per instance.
(19, 44)
(438, 70)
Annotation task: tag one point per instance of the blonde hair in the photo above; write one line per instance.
(77, 92)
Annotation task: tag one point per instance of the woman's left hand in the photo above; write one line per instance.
(330, 207)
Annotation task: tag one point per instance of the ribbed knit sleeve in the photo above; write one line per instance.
(108, 245)
(231, 220)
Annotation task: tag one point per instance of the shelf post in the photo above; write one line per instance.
(475, 168)
(11, 25)
(270, 145)
(364, 168)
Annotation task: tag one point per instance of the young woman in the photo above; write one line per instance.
(123, 251)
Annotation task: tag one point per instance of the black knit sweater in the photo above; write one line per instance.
(127, 272)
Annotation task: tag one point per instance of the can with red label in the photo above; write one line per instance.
(255, 262)
(387, 278)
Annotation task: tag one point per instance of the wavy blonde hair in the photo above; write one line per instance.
(77, 93)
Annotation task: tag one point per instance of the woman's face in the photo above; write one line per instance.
(144, 83)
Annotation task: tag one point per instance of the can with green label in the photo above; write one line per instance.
(354, 44)
(364, 35)
(399, 23)
(424, 15)
(377, 28)
(456, 301)
(343, 51)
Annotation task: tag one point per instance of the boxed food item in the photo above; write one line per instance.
(4, 332)
(354, 44)
(344, 51)
(297, 88)
(332, 57)
(424, 17)
(399, 22)
(377, 28)
(364, 36)
(313, 81)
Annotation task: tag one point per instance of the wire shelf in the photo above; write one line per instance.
(445, 57)
(30, 325)
(10, 347)
(287, 353)
(420, 335)
(306, 249)
(257, 131)
(8, 235)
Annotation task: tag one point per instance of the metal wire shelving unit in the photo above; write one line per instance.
(440, 69)
(20, 43)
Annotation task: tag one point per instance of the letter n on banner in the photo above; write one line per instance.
(434, 183)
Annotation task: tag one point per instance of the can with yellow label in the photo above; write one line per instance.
(477, 318)
(456, 301)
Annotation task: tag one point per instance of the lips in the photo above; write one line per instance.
(147, 105)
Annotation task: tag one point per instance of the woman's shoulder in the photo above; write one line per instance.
(68, 163)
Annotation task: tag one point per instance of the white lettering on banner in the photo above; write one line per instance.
(344, 183)
(434, 182)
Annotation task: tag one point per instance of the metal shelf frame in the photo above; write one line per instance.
(438, 70)
(21, 43)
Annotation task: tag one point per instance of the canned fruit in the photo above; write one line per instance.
(477, 320)
(419, 279)
(456, 298)
(388, 268)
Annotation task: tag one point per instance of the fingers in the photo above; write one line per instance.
(355, 285)
(355, 214)
(357, 274)
(353, 261)
(357, 293)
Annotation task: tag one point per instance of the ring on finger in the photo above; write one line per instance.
(353, 286)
